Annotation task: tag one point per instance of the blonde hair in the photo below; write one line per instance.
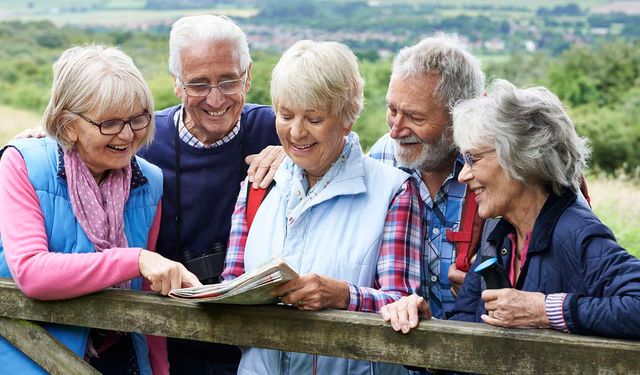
(94, 78)
(322, 76)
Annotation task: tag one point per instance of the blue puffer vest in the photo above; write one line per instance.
(65, 235)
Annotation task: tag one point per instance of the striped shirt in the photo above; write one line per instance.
(553, 306)
(191, 140)
(397, 270)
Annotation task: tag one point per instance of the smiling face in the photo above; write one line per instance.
(104, 152)
(211, 117)
(497, 194)
(312, 139)
(419, 123)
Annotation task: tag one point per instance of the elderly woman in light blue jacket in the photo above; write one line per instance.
(349, 225)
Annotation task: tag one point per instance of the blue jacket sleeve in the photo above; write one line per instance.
(611, 305)
(469, 305)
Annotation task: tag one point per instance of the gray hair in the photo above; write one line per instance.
(460, 73)
(94, 78)
(191, 30)
(322, 76)
(535, 140)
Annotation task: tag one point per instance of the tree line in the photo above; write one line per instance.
(600, 84)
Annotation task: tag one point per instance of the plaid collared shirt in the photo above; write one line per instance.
(439, 215)
(191, 139)
(397, 270)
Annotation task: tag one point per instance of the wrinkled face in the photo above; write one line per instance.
(419, 123)
(211, 117)
(104, 152)
(496, 193)
(313, 139)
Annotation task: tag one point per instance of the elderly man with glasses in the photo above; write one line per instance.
(201, 145)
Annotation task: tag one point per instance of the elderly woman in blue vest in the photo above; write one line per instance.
(561, 266)
(77, 209)
(350, 226)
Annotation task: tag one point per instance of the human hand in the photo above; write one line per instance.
(164, 274)
(315, 292)
(456, 278)
(263, 166)
(404, 313)
(512, 308)
(35, 132)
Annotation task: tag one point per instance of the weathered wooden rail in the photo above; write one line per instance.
(435, 344)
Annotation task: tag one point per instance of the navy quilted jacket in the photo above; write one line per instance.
(570, 251)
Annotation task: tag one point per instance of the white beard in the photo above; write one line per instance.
(432, 156)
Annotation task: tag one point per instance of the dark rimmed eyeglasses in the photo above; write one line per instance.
(469, 158)
(229, 87)
(115, 126)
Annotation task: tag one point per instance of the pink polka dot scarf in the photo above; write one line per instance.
(99, 209)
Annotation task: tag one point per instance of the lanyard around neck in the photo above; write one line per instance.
(178, 196)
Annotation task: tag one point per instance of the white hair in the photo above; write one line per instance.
(194, 30)
(442, 54)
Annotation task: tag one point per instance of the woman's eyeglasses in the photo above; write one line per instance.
(115, 126)
(469, 158)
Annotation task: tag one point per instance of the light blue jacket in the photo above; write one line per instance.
(64, 234)
(337, 234)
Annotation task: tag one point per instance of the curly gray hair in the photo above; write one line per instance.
(535, 140)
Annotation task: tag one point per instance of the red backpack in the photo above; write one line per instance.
(254, 199)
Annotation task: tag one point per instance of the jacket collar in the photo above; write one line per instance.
(546, 221)
(348, 178)
(137, 177)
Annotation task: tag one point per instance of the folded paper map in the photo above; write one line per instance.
(252, 288)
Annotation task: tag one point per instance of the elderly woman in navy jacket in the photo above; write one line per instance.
(562, 265)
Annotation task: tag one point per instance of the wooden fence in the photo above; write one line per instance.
(435, 344)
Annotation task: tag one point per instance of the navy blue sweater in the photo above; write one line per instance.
(210, 185)
(210, 179)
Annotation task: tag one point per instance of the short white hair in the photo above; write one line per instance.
(194, 30)
(322, 76)
(535, 140)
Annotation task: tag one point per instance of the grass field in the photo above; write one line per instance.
(15, 120)
(108, 13)
(616, 202)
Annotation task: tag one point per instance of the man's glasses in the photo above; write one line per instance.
(230, 87)
(469, 159)
(115, 126)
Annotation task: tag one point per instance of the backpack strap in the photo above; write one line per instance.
(467, 238)
(254, 200)
(585, 190)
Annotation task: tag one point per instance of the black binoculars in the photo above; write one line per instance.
(493, 274)
(207, 267)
